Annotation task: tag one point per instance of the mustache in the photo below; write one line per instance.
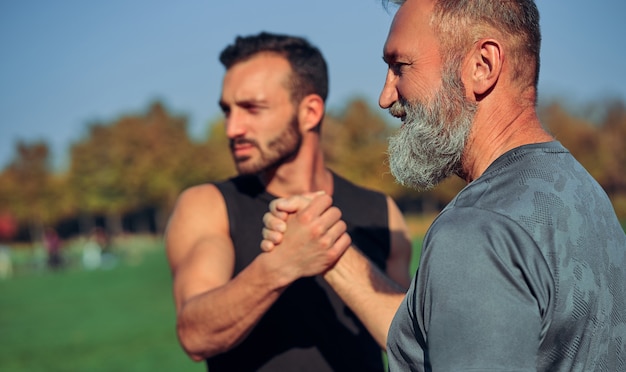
(398, 109)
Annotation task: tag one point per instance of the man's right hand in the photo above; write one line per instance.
(309, 230)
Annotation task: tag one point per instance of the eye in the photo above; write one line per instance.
(225, 110)
(251, 108)
(398, 67)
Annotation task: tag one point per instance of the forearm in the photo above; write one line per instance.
(217, 320)
(372, 296)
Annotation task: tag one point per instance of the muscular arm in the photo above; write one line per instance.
(214, 310)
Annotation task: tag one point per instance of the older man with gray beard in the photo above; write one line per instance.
(442, 136)
(525, 269)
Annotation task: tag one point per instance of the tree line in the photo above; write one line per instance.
(137, 165)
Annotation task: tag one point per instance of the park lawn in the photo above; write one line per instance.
(119, 319)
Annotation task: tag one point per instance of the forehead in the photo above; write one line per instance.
(264, 74)
(410, 34)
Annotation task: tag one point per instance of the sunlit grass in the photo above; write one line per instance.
(119, 319)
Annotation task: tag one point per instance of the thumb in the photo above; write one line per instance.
(293, 204)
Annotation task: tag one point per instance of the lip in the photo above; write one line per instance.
(241, 149)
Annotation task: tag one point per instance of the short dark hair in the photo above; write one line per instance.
(310, 73)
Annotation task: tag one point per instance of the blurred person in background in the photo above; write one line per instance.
(53, 244)
(245, 310)
(525, 269)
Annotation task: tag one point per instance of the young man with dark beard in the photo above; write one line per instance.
(245, 310)
(524, 270)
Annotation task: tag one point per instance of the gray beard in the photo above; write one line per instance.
(429, 147)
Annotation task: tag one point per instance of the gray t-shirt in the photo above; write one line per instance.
(525, 270)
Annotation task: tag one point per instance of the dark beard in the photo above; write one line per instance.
(279, 149)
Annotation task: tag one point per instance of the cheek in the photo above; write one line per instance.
(417, 88)
(423, 80)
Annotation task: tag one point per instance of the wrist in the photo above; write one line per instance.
(276, 274)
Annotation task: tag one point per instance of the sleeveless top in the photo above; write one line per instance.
(308, 328)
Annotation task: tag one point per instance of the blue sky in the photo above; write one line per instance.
(67, 63)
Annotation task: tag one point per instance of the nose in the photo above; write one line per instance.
(389, 94)
(234, 123)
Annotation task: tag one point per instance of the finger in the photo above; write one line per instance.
(341, 245)
(312, 195)
(273, 222)
(267, 246)
(334, 232)
(316, 208)
(272, 236)
(273, 209)
(329, 218)
(293, 203)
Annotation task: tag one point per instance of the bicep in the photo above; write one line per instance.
(400, 252)
(198, 244)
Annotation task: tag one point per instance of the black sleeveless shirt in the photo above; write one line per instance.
(308, 328)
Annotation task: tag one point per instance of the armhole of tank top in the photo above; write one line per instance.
(225, 188)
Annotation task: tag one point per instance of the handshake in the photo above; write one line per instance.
(309, 238)
(307, 232)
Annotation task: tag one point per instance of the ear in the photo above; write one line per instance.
(310, 112)
(484, 67)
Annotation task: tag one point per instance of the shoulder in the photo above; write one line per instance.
(198, 197)
(199, 210)
(199, 216)
(479, 246)
(472, 230)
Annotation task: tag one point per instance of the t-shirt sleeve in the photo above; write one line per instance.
(482, 291)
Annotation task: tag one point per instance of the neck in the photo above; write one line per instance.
(499, 126)
(305, 173)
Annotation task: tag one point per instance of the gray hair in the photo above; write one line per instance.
(460, 23)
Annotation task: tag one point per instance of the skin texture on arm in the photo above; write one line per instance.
(401, 248)
(215, 311)
(372, 296)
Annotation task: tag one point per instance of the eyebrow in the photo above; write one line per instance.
(390, 57)
(244, 103)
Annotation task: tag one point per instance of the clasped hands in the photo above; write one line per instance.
(307, 230)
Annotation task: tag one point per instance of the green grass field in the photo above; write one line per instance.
(119, 319)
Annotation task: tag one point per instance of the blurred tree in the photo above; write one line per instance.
(29, 190)
(138, 161)
(94, 175)
(217, 152)
(355, 146)
(578, 135)
(614, 143)
(598, 146)
(614, 137)
(145, 160)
